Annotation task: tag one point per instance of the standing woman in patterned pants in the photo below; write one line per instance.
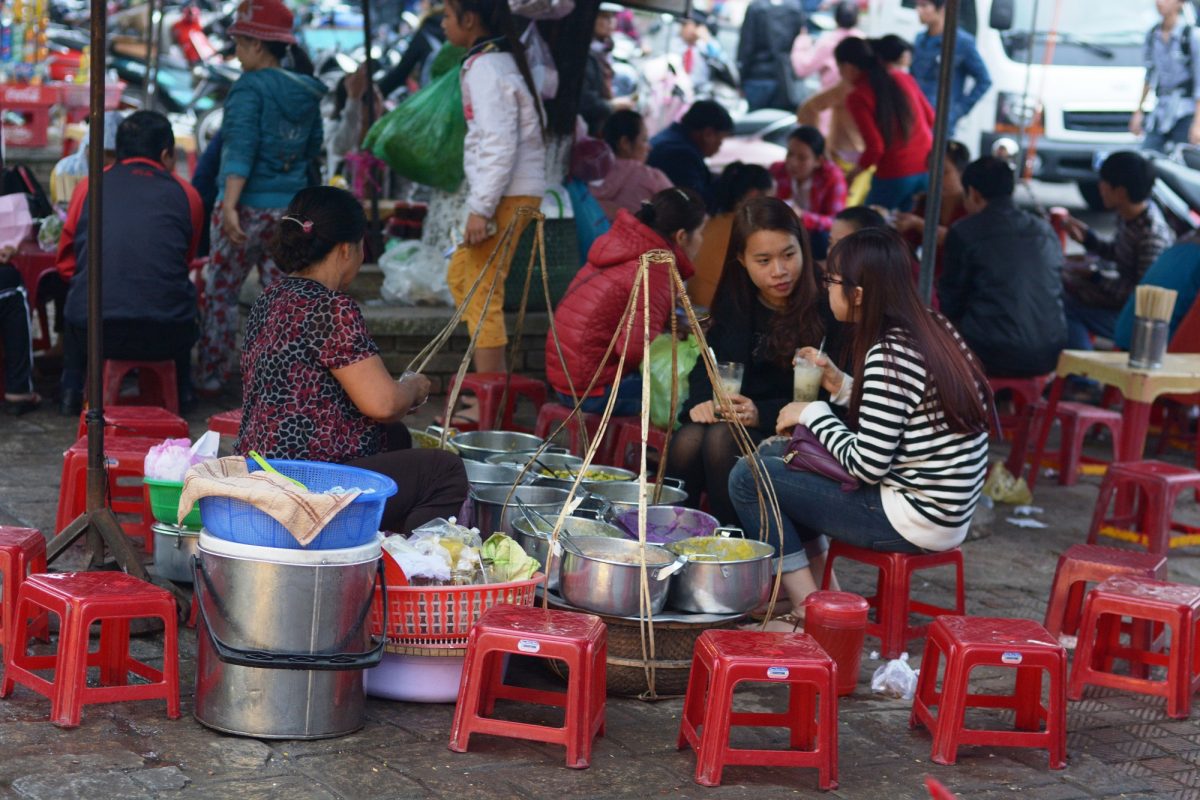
(271, 132)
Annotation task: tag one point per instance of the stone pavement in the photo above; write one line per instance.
(1119, 745)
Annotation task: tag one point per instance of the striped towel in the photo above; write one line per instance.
(304, 514)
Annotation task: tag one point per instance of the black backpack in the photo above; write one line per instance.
(20, 180)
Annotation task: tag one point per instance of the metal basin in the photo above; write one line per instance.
(607, 578)
(573, 464)
(484, 476)
(534, 538)
(478, 445)
(623, 495)
(174, 546)
(492, 515)
(722, 586)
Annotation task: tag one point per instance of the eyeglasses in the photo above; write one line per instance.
(829, 280)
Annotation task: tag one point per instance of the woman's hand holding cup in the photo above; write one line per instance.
(831, 376)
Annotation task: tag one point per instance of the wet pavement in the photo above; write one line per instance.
(1119, 744)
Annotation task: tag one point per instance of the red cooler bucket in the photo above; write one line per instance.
(838, 621)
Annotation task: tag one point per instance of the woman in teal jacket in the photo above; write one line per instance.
(272, 134)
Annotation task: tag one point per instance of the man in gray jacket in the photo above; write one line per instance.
(1002, 281)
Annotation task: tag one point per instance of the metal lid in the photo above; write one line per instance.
(174, 530)
(282, 555)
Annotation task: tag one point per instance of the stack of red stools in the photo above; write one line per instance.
(969, 642)
(724, 658)
(22, 552)
(554, 416)
(1158, 486)
(147, 421)
(493, 387)
(126, 457)
(1088, 563)
(156, 384)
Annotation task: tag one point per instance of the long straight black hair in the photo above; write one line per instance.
(893, 114)
(497, 20)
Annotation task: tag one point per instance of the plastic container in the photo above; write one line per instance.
(356, 524)
(415, 678)
(164, 503)
(838, 621)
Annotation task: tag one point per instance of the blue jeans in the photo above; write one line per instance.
(760, 92)
(1164, 141)
(629, 398)
(1083, 320)
(811, 507)
(896, 193)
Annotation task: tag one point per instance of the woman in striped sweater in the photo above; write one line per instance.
(916, 432)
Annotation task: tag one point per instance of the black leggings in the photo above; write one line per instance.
(702, 456)
(430, 483)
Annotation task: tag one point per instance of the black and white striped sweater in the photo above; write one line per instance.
(930, 478)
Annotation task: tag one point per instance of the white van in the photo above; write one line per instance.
(1078, 105)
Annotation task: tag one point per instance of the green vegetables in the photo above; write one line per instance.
(508, 561)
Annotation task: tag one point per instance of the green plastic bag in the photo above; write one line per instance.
(422, 138)
(658, 372)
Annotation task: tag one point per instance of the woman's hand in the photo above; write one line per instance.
(231, 225)
(746, 411)
(1135, 123)
(789, 417)
(704, 413)
(477, 230)
(418, 387)
(831, 377)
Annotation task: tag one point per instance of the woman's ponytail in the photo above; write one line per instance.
(893, 114)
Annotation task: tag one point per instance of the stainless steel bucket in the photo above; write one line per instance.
(174, 546)
(623, 495)
(283, 637)
(493, 516)
(534, 537)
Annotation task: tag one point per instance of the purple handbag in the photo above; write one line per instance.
(806, 453)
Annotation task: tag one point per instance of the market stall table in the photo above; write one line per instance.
(1179, 374)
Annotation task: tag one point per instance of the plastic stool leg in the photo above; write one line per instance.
(1029, 698)
(170, 670)
(715, 737)
(1056, 714)
(951, 711)
(70, 671)
(114, 652)
(578, 721)
(827, 774)
(693, 703)
(1179, 671)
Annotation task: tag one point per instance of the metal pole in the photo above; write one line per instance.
(933, 198)
(374, 233)
(97, 479)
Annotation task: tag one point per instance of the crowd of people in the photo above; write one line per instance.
(810, 258)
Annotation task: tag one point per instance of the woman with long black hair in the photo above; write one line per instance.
(916, 429)
(895, 120)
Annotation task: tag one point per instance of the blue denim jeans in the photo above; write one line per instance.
(896, 193)
(760, 92)
(812, 507)
(629, 398)
(1083, 320)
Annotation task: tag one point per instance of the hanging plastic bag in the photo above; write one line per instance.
(414, 274)
(658, 371)
(541, 62)
(542, 9)
(895, 679)
(15, 221)
(590, 221)
(422, 139)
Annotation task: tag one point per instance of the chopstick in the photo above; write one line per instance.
(1155, 302)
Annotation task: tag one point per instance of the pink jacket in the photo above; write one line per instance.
(816, 58)
(627, 184)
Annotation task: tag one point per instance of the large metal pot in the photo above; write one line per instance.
(623, 495)
(714, 586)
(573, 464)
(174, 546)
(485, 476)
(283, 638)
(478, 445)
(493, 516)
(607, 578)
(534, 538)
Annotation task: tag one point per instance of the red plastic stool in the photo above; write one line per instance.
(80, 599)
(157, 423)
(1025, 392)
(22, 552)
(552, 415)
(1173, 605)
(627, 442)
(489, 388)
(227, 423)
(892, 602)
(1076, 420)
(969, 642)
(126, 456)
(724, 658)
(937, 790)
(1089, 563)
(581, 640)
(1159, 485)
(156, 384)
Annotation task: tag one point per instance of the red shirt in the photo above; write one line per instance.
(900, 158)
(826, 196)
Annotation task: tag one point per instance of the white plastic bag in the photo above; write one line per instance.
(895, 679)
(541, 63)
(171, 459)
(542, 9)
(414, 274)
(15, 222)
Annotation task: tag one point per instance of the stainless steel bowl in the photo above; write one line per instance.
(482, 476)
(623, 495)
(607, 578)
(174, 546)
(722, 587)
(534, 538)
(478, 445)
(492, 515)
(587, 483)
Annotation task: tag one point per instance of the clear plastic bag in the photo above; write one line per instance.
(414, 274)
(895, 679)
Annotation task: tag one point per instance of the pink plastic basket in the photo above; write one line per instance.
(439, 617)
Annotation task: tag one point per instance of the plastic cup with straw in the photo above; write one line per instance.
(806, 377)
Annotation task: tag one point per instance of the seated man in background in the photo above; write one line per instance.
(152, 223)
(1095, 292)
(1177, 268)
(680, 150)
(1002, 281)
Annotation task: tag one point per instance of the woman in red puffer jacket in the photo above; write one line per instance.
(590, 311)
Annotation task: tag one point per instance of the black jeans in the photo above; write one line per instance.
(15, 338)
(431, 483)
(132, 340)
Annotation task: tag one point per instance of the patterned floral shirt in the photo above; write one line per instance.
(293, 406)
